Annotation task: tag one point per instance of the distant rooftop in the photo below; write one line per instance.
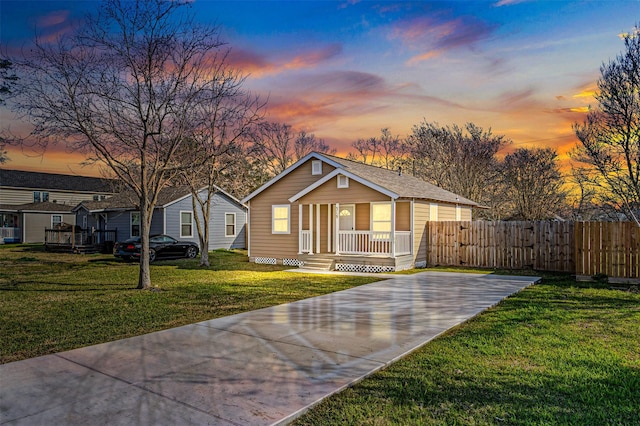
(54, 181)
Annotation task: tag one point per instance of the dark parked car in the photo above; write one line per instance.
(160, 246)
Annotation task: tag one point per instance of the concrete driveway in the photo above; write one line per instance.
(257, 368)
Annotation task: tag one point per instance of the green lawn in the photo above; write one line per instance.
(53, 302)
(557, 353)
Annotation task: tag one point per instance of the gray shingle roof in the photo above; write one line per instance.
(406, 186)
(127, 200)
(45, 206)
(53, 181)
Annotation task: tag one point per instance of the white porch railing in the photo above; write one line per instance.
(368, 242)
(11, 234)
(305, 242)
(403, 242)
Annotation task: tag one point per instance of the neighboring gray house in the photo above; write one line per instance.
(172, 216)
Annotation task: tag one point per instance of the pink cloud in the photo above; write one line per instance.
(259, 65)
(433, 37)
(53, 19)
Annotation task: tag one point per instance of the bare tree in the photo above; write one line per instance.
(278, 146)
(8, 79)
(226, 117)
(386, 151)
(459, 160)
(610, 135)
(534, 183)
(122, 88)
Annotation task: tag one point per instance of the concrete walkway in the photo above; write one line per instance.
(256, 368)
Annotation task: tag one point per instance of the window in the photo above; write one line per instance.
(229, 224)
(280, 223)
(56, 220)
(343, 181)
(186, 224)
(85, 221)
(381, 220)
(45, 196)
(135, 224)
(316, 167)
(36, 197)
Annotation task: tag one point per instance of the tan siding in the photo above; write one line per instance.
(330, 193)
(446, 212)
(263, 242)
(466, 213)
(403, 216)
(420, 219)
(34, 225)
(363, 216)
(24, 196)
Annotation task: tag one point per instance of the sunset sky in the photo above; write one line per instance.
(344, 70)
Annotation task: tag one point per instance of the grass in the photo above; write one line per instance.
(560, 352)
(52, 302)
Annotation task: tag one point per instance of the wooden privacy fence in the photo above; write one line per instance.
(608, 248)
(583, 248)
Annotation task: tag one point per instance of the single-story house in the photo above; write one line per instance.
(331, 213)
(27, 222)
(173, 216)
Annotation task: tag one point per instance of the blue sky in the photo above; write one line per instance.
(344, 70)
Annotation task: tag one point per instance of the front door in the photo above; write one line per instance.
(347, 217)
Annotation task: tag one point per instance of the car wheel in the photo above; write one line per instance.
(192, 252)
(152, 255)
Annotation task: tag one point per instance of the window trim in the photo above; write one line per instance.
(345, 181)
(316, 167)
(288, 218)
(190, 212)
(226, 224)
(54, 215)
(390, 221)
(131, 214)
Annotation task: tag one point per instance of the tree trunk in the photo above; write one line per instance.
(144, 277)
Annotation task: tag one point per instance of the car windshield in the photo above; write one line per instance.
(161, 239)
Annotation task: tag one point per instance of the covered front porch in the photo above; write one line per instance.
(364, 233)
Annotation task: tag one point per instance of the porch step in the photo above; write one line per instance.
(318, 264)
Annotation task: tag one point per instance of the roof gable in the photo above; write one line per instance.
(350, 175)
(290, 169)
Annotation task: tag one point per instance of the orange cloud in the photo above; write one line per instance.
(424, 57)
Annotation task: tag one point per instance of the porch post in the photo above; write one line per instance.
(310, 228)
(300, 228)
(392, 243)
(337, 227)
(317, 228)
(328, 228)
(412, 227)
